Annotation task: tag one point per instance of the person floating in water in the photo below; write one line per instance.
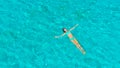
(72, 38)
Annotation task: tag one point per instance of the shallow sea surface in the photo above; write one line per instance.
(28, 27)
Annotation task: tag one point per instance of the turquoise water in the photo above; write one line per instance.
(27, 30)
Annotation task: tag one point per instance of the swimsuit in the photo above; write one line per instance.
(70, 33)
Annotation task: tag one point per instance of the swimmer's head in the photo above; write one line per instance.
(64, 30)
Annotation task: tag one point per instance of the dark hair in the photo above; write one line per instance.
(64, 30)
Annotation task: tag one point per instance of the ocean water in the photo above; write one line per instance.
(28, 27)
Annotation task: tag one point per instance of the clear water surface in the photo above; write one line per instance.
(28, 27)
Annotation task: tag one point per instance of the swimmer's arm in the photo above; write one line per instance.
(59, 36)
(74, 27)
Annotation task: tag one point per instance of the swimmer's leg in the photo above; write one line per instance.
(78, 46)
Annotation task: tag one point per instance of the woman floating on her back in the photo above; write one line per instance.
(72, 38)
